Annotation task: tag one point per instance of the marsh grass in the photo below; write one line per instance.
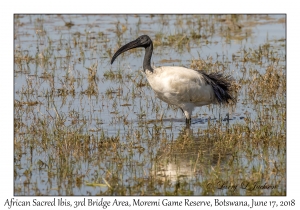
(82, 127)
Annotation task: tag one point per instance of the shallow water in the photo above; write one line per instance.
(125, 132)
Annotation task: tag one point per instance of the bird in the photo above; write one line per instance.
(183, 87)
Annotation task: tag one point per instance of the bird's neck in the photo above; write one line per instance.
(147, 58)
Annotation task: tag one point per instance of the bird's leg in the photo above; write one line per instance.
(188, 121)
(182, 112)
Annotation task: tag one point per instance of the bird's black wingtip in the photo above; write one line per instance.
(222, 86)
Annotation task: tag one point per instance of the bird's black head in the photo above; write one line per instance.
(142, 41)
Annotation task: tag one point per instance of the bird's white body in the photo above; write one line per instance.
(179, 86)
(182, 87)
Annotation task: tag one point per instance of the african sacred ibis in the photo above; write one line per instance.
(179, 86)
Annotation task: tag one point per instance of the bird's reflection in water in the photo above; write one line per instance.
(187, 158)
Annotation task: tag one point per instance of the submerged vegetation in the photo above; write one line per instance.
(84, 127)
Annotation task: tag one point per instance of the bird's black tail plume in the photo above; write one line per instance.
(222, 86)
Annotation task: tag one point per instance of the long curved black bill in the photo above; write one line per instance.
(126, 47)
